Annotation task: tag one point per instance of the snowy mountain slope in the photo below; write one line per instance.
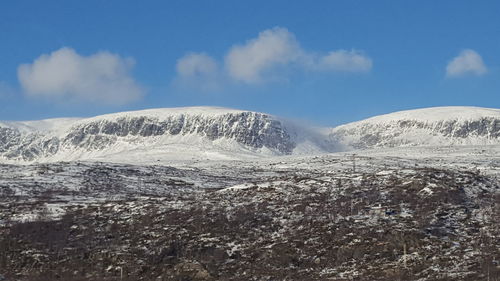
(219, 133)
(55, 124)
(436, 126)
(192, 129)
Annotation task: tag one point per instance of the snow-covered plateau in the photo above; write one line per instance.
(220, 133)
(219, 194)
(439, 126)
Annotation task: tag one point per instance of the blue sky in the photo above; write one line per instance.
(328, 62)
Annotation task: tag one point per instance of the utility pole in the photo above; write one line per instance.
(404, 255)
(354, 163)
(121, 273)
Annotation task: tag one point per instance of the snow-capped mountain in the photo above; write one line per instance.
(193, 130)
(436, 126)
(221, 133)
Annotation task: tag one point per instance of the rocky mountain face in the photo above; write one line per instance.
(250, 129)
(26, 146)
(424, 127)
(258, 133)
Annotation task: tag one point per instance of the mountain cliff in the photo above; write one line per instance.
(221, 133)
(422, 127)
(202, 127)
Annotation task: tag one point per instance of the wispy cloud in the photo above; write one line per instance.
(64, 75)
(346, 61)
(198, 69)
(273, 53)
(273, 47)
(468, 62)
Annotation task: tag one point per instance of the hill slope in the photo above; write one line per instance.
(173, 130)
(221, 133)
(436, 126)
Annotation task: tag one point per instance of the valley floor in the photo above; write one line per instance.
(392, 214)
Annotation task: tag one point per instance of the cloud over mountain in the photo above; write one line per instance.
(275, 52)
(467, 62)
(199, 69)
(65, 75)
(273, 47)
(346, 61)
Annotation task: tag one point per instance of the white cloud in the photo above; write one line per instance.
(348, 61)
(65, 75)
(198, 70)
(467, 62)
(196, 64)
(271, 48)
(272, 54)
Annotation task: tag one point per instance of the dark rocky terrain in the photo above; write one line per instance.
(327, 218)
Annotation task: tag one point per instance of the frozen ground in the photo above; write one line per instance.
(124, 177)
(218, 194)
(387, 214)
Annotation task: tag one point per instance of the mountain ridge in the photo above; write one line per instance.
(213, 128)
(234, 133)
(435, 126)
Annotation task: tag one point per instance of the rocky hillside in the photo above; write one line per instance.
(423, 127)
(114, 133)
(314, 218)
(219, 133)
